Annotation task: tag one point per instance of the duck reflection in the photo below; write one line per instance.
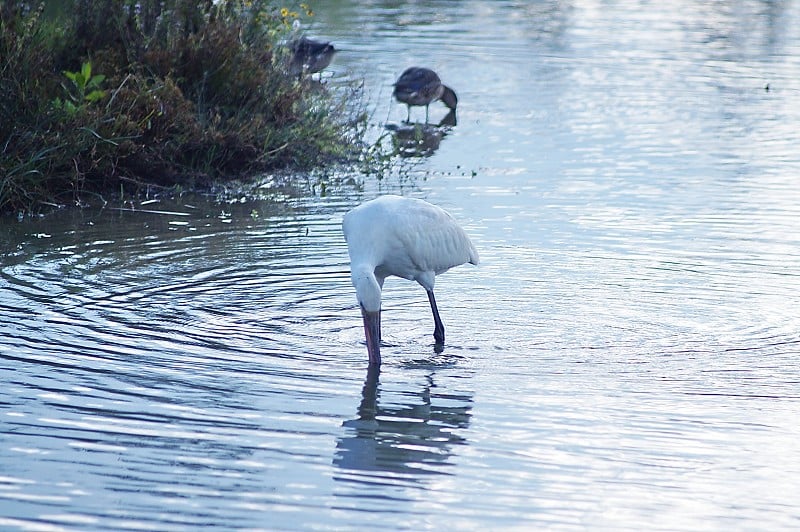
(399, 440)
(420, 140)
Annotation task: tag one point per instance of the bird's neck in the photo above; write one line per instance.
(449, 97)
(368, 290)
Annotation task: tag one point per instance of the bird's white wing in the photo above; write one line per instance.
(433, 241)
(406, 237)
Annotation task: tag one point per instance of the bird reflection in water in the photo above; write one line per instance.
(420, 140)
(386, 444)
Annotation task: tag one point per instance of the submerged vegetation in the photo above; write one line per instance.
(120, 95)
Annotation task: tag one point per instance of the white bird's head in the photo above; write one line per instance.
(368, 293)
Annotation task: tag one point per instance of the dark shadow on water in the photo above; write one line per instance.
(406, 440)
(449, 119)
(420, 140)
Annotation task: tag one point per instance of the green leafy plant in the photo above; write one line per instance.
(85, 88)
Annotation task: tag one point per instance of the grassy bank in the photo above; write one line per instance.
(109, 95)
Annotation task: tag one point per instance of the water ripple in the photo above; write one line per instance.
(627, 347)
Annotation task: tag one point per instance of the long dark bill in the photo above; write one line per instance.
(372, 331)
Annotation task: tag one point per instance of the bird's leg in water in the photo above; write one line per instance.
(438, 331)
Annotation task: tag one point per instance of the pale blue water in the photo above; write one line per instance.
(625, 356)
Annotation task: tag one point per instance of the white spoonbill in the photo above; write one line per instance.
(405, 237)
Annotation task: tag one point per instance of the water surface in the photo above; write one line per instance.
(623, 358)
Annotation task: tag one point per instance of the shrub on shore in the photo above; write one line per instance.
(113, 94)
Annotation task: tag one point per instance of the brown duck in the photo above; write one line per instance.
(421, 86)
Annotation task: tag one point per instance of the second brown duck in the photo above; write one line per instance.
(309, 56)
